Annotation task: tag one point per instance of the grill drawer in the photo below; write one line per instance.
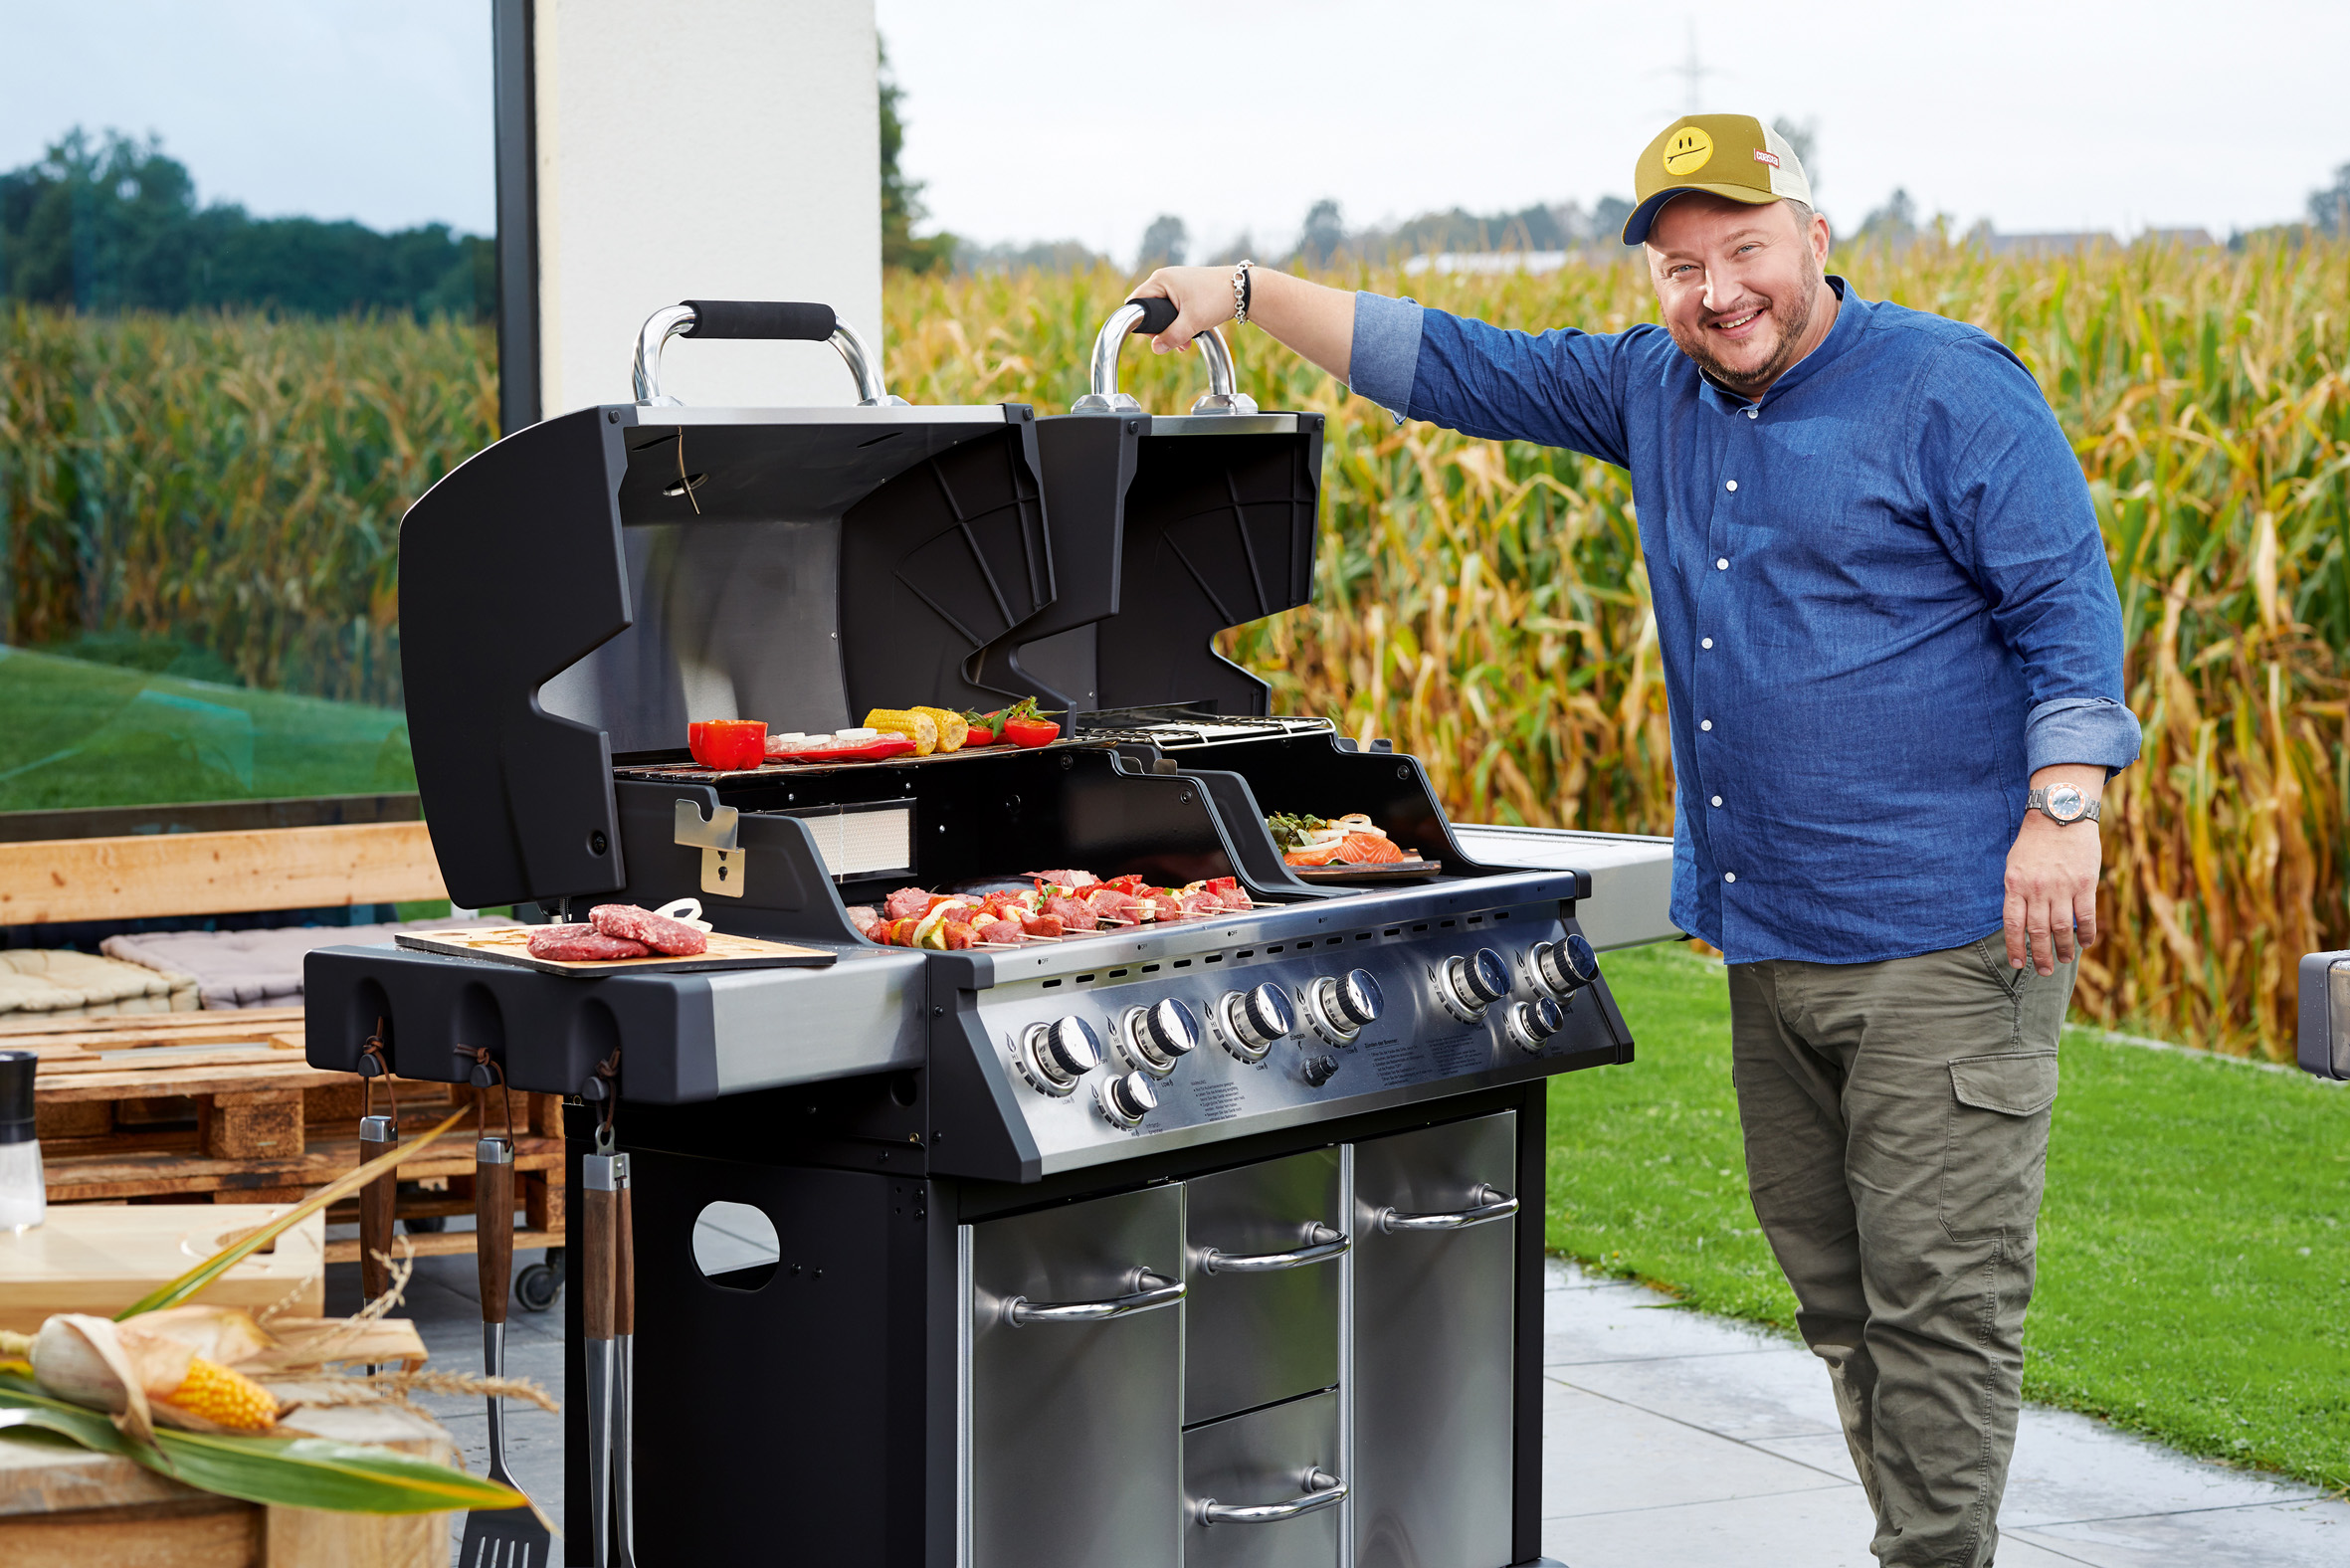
(1254, 1334)
(1264, 1457)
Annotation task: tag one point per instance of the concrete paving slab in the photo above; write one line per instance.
(1750, 1395)
(1600, 1456)
(1807, 1529)
(1623, 1323)
(2312, 1534)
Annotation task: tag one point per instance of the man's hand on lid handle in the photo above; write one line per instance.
(2052, 885)
(1314, 321)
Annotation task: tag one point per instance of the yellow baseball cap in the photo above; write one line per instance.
(1733, 155)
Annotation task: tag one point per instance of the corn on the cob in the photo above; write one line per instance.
(915, 726)
(952, 726)
(224, 1396)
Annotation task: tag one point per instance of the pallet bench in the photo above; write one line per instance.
(221, 1106)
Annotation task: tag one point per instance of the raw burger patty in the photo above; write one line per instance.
(582, 945)
(657, 931)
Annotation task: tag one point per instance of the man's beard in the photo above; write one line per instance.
(1790, 344)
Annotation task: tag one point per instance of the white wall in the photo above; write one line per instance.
(724, 150)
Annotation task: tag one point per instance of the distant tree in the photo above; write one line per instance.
(1042, 256)
(1240, 250)
(901, 203)
(1320, 237)
(112, 224)
(1164, 244)
(2329, 209)
(1608, 217)
(1895, 220)
(1804, 137)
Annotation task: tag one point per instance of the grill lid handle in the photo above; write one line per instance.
(1151, 317)
(771, 321)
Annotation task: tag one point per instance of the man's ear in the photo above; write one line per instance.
(1821, 240)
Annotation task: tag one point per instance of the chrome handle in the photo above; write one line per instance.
(1323, 1244)
(1156, 1291)
(1322, 1490)
(667, 321)
(1492, 1204)
(1103, 396)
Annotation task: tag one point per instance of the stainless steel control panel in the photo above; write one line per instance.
(1177, 1050)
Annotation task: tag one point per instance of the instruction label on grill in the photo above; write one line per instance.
(1218, 1102)
(1407, 1063)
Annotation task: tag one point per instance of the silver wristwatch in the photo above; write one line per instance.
(2063, 804)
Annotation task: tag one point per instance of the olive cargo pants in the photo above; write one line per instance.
(1897, 1127)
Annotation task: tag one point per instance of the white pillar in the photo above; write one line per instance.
(722, 149)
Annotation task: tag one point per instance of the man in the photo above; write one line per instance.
(1893, 654)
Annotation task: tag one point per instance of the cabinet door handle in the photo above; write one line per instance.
(1492, 1204)
(1151, 1293)
(1323, 1244)
(1322, 1490)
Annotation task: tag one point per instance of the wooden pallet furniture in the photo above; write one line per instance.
(220, 1107)
(208, 1107)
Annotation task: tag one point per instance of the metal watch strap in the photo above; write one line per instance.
(2037, 800)
(1241, 292)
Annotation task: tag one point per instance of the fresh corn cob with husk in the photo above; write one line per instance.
(952, 726)
(99, 1364)
(914, 724)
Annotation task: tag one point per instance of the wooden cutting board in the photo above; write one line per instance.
(99, 1258)
(510, 944)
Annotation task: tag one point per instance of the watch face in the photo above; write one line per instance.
(2066, 802)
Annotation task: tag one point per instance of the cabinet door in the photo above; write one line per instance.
(1074, 1430)
(1261, 1324)
(1434, 1269)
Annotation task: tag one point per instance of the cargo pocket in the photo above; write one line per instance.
(1995, 1159)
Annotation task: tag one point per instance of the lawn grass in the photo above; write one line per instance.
(78, 732)
(2194, 1248)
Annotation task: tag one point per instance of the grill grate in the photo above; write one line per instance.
(1174, 727)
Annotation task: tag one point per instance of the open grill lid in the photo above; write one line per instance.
(584, 586)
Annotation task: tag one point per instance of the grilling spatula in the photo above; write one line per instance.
(502, 1537)
(624, 1339)
(599, 1224)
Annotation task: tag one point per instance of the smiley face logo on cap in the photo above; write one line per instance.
(1686, 150)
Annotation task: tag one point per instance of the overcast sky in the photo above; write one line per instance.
(332, 107)
(1055, 118)
(1051, 118)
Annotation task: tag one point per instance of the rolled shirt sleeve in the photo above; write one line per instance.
(1385, 350)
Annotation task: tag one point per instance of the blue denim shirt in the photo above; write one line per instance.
(1880, 595)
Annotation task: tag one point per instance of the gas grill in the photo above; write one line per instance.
(1213, 1241)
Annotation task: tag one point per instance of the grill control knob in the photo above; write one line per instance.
(1472, 984)
(1126, 1101)
(1319, 1071)
(1565, 967)
(1252, 1019)
(1157, 1036)
(1339, 1009)
(1061, 1052)
(1532, 1023)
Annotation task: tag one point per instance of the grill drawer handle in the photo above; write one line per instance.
(1492, 1204)
(772, 321)
(1322, 1490)
(1153, 1292)
(1153, 316)
(1323, 1244)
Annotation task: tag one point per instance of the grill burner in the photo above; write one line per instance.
(1175, 1245)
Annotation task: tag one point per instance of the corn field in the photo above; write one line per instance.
(228, 481)
(1484, 606)
(235, 482)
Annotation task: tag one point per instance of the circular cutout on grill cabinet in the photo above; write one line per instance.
(735, 1246)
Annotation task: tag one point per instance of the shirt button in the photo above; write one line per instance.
(1717, 800)
(1706, 643)
(1752, 412)
(1722, 564)
(1733, 484)
(1729, 876)
(1705, 723)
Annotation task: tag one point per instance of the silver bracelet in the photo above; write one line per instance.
(1240, 291)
